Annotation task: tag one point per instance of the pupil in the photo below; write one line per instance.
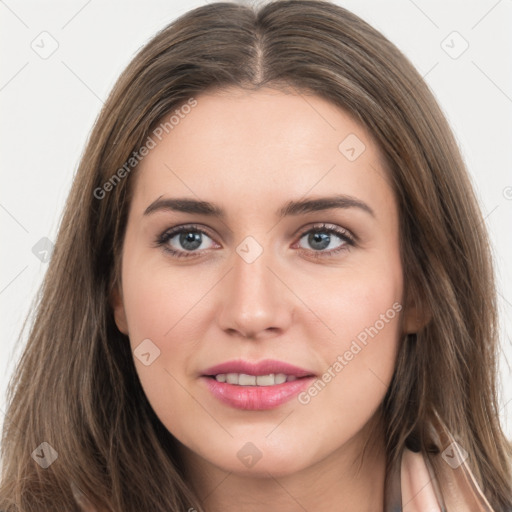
(190, 240)
(322, 239)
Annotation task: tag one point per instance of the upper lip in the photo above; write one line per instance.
(264, 367)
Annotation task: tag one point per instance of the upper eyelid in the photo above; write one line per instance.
(343, 233)
(176, 230)
(171, 232)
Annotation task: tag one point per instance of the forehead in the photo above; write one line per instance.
(254, 145)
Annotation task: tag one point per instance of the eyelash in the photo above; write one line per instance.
(343, 234)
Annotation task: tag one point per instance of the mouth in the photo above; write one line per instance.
(256, 386)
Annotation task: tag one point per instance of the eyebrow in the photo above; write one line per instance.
(303, 206)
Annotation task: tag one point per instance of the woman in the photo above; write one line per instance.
(272, 284)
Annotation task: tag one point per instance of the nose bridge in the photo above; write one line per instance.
(254, 298)
(251, 276)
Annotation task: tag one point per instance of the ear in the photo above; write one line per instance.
(117, 304)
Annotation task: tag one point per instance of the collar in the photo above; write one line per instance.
(441, 482)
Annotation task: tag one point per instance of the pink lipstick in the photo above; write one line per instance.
(256, 386)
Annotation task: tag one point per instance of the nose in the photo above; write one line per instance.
(256, 302)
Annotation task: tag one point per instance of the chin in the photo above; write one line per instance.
(260, 457)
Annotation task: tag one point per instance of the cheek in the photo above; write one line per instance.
(164, 308)
(356, 297)
(169, 307)
(364, 311)
(161, 299)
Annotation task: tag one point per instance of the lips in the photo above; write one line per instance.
(263, 385)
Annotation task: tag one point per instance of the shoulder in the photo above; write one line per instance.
(419, 492)
(440, 482)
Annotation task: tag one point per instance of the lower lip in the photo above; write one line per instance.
(256, 398)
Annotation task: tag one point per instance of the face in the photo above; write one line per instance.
(261, 280)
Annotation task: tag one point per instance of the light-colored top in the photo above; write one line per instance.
(413, 485)
(416, 488)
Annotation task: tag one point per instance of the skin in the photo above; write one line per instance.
(250, 153)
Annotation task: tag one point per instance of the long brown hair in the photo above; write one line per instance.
(75, 386)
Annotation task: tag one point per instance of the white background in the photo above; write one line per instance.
(49, 105)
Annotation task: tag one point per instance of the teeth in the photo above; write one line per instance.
(280, 378)
(246, 380)
(232, 378)
(242, 379)
(265, 380)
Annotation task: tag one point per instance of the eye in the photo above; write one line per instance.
(187, 241)
(326, 236)
(184, 239)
